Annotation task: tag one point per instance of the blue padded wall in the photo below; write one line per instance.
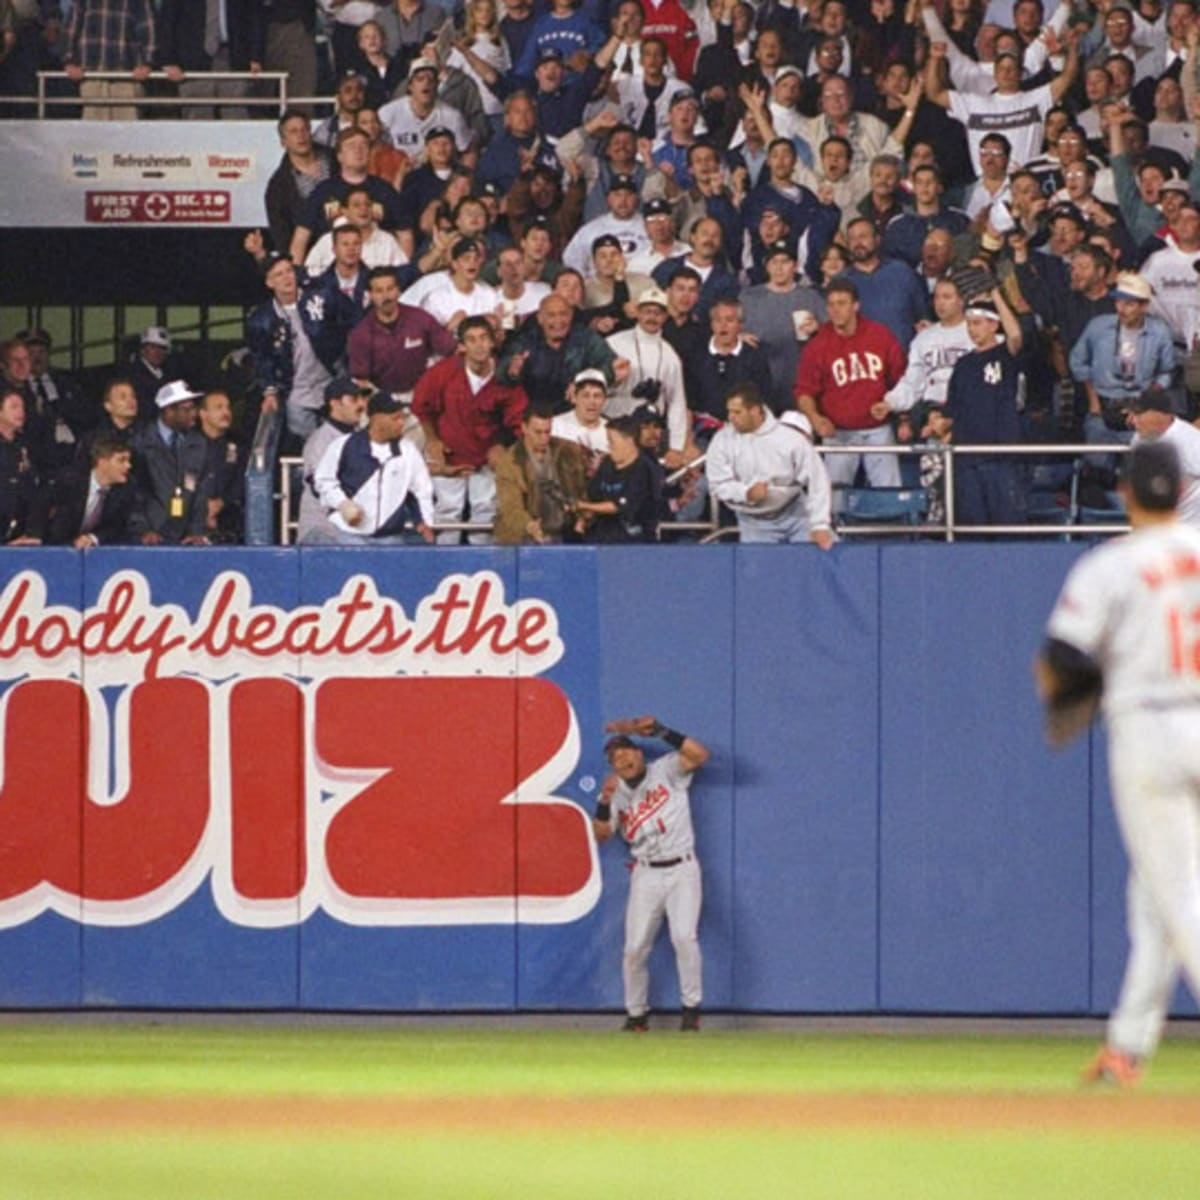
(984, 902)
(881, 825)
(806, 773)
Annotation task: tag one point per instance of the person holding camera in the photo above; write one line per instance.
(655, 374)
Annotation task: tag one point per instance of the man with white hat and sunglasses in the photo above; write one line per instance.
(172, 480)
(1118, 356)
(655, 374)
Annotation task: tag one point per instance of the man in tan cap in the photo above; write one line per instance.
(655, 374)
(1118, 356)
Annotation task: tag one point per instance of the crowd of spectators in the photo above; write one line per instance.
(534, 258)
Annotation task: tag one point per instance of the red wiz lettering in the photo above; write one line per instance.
(633, 819)
(304, 781)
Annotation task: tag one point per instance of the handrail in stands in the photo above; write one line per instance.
(279, 101)
(713, 531)
(260, 480)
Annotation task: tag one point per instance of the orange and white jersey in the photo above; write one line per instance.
(1133, 605)
(655, 817)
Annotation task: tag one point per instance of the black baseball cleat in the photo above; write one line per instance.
(690, 1022)
(636, 1024)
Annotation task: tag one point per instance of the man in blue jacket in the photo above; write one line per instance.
(1118, 356)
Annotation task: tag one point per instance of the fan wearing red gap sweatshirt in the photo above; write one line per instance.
(846, 368)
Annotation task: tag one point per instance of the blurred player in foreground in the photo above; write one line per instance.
(1128, 624)
(649, 804)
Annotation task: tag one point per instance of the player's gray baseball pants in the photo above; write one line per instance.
(655, 892)
(1155, 769)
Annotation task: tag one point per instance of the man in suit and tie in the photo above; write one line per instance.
(92, 507)
(57, 401)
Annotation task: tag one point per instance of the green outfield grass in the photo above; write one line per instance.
(355, 1067)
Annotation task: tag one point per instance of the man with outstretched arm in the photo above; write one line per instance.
(648, 804)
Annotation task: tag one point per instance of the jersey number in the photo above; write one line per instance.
(1184, 633)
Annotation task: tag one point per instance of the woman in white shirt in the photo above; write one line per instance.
(482, 53)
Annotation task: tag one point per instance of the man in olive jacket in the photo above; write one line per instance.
(539, 480)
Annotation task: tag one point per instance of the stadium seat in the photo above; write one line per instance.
(1111, 513)
(884, 506)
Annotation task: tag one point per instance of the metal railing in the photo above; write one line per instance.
(950, 528)
(41, 101)
(713, 530)
(288, 505)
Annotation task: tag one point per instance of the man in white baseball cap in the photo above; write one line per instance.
(1118, 356)
(172, 481)
(585, 424)
(148, 372)
(655, 374)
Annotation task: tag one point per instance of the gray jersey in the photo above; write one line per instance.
(655, 817)
(314, 524)
(1133, 604)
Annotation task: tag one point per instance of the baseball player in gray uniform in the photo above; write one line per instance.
(648, 804)
(1128, 622)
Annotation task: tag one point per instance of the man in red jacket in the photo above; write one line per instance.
(468, 417)
(846, 368)
(669, 20)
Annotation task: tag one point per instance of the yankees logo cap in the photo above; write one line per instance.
(156, 335)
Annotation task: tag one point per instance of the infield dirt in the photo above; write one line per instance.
(1089, 1112)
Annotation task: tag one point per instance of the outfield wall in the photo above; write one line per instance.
(333, 779)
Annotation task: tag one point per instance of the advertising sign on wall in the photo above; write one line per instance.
(363, 780)
(141, 173)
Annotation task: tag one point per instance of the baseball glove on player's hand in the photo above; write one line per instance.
(1070, 685)
(1068, 715)
(641, 726)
